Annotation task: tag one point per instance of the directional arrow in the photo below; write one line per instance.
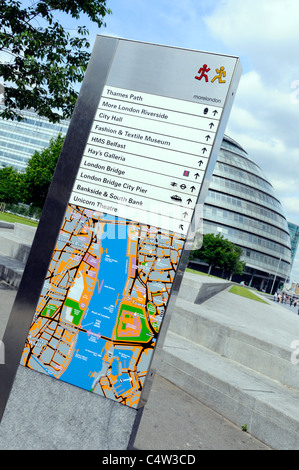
(204, 150)
(208, 137)
(189, 201)
(181, 227)
(193, 188)
(200, 162)
(185, 214)
(215, 112)
(196, 175)
(211, 125)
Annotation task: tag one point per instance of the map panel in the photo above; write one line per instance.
(102, 303)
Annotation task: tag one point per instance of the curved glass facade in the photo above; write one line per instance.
(241, 205)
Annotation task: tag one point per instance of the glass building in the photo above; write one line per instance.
(241, 205)
(19, 140)
(294, 234)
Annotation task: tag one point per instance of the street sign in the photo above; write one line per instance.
(136, 163)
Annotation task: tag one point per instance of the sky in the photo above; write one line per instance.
(265, 35)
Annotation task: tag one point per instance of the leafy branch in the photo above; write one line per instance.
(46, 62)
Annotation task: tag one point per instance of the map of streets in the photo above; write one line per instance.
(102, 303)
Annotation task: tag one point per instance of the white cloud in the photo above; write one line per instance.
(265, 30)
(291, 205)
(275, 20)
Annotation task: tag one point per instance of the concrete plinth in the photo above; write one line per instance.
(47, 414)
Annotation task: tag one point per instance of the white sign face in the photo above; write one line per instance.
(147, 153)
(144, 159)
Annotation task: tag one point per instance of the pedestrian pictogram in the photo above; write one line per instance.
(204, 70)
(221, 73)
(203, 73)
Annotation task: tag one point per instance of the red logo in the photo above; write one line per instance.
(204, 70)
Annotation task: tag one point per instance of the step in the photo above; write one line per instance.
(196, 288)
(11, 270)
(270, 356)
(268, 409)
(13, 246)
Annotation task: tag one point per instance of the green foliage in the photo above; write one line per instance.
(233, 263)
(39, 173)
(12, 218)
(44, 60)
(31, 187)
(218, 251)
(10, 185)
(245, 292)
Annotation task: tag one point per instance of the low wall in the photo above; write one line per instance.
(198, 288)
(6, 225)
(208, 290)
(15, 244)
(25, 232)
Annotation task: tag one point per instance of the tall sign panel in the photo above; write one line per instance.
(149, 122)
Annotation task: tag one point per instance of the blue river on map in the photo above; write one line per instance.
(101, 315)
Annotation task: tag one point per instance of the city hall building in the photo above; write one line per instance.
(240, 205)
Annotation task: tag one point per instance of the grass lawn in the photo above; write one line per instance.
(239, 290)
(12, 218)
(189, 270)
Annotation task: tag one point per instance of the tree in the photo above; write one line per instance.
(212, 250)
(218, 251)
(233, 264)
(39, 173)
(45, 60)
(10, 183)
